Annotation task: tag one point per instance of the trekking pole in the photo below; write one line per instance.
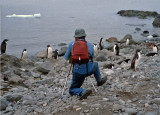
(92, 84)
(66, 80)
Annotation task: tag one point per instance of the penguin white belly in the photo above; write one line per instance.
(127, 42)
(155, 49)
(50, 52)
(137, 60)
(24, 56)
(114, 49)
(95, 49)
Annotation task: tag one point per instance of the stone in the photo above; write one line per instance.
(117, 107)
(156, 101)
(42, 54)
(112, 39)
(15, 79)
(13, 97)
(4, 104)
(62, 51)
(130, 111)
(43, 70)
(156, 22)
(128, 36)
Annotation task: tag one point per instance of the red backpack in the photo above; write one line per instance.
(80, 52)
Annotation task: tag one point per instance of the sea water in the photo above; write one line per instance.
(60, 18)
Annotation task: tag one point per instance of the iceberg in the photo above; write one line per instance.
(38, 15)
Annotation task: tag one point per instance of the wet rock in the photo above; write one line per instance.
(146, 32)
(156, 22)
(137, 13)
(112, 39)
(128, 36)
(62, 44)
(137, 29)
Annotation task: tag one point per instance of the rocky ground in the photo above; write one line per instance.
(34, 86)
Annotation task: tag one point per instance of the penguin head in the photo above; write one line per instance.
(138, 51)
(24, 49)
(48, 46)
(5, 40)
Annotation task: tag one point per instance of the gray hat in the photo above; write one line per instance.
(79, 33)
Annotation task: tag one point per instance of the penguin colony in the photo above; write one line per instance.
(116, 50)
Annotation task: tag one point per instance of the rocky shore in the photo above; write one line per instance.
(142, 15)
(34, 86)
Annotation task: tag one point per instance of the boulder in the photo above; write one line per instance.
(43, 70)
(4, 104)
(128, 36)
(62, 44)
(112, 39)
(62, 51)
(14, 97)
(156, 22)
(137, 13)
(42, 54)
(15, 79)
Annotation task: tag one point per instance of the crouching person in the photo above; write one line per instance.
(82, 53)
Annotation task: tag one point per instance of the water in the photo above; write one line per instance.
(60, 18)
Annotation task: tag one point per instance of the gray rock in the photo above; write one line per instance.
(13, 97)
(128, 36)
(15, 79)
(43, 70)
(62, 51)
(4, 104)
(117, 107)
(42, 54)
(101, 57)
(112, 39)
(152, 113)
(130, 111)
(156, 101)
(156, 22)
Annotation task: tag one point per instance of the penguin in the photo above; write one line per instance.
(4, 46)
(116, 49)
(155, 49)
(135, 60)
(55, 54)
(24, 54)
(101, 44)
(109, 66)
(152, 54)
(95, 49)
(127, 42)
(49, 52)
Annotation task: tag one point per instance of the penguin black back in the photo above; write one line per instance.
(3, 46)
(135, 60)
(55, 54)
(101, 44)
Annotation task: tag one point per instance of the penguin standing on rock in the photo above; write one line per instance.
(155, 49)
(4, 46)
(127, 42)
(101, 44)
(135, 60)
(55, 54)
(116, 49)
(49, 52)
(24, 54)
(95, 49)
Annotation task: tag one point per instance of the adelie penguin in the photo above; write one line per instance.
(4, 46)
(101, 44)
(127, 42)
(49, 52)
(55, 54)
(24, 54)
(95, 47)
(155, 51)
(135, 60)
(116, 49)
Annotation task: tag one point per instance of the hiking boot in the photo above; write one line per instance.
(86, 94)
(102, 81)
